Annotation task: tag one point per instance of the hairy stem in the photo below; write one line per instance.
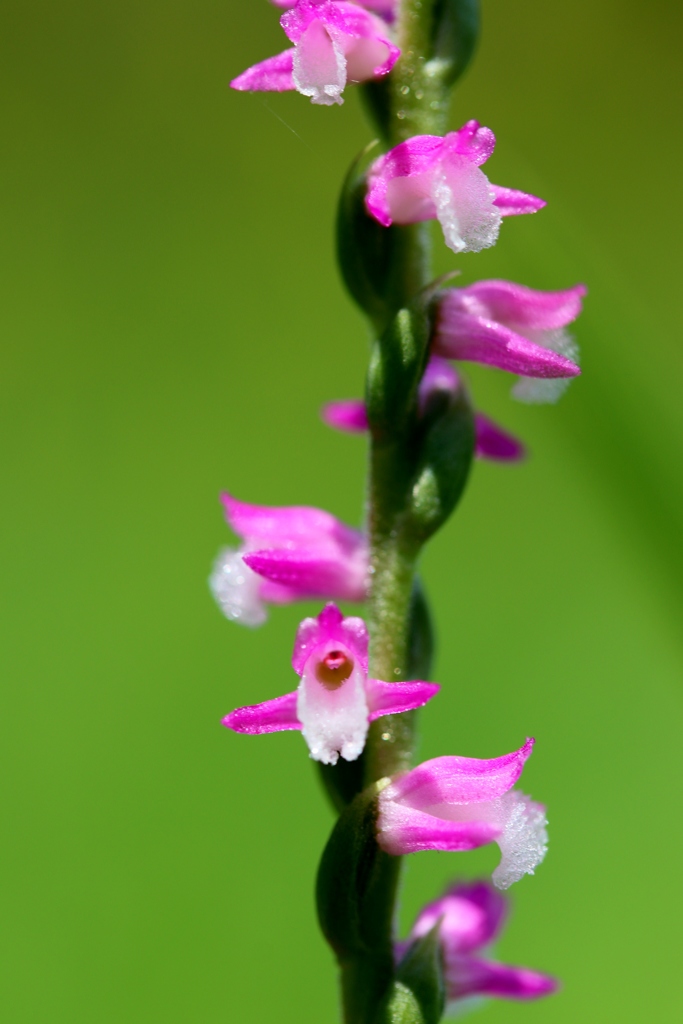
(419, 101)
(400, 634)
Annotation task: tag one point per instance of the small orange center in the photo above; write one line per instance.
(334, 669)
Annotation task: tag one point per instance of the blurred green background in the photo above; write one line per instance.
(172, 319)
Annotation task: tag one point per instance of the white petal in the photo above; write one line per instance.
(464, 204)
(319, 69)
(534, 390)
(236, 589)
(524, 841)
(334, 721)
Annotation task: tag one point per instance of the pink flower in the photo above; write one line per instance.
(492, 442)
(287, 554)
(335, 701)
(459, 803)
(430, 177)
(514, 328)
(334, 42)
(470, 917)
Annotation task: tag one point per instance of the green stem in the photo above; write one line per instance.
(397, 616)
(364, 983)
(418, 104)
(419, 101)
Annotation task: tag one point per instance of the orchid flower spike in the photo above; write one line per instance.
(459, 803)
(335, 701)
(287, 554)
(430, 177)
(514, 328)
(492, 442)
(470, 916)
(334, 43)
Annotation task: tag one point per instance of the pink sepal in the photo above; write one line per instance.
(330, 625)
(494, 443)
(348, 415)
(516, 305)
(472, 338)
(266, 525)
(460, 780)
(510, 202)
(270, 716)
(468, 975)
(309, 575)
(271, 75)
(403, 830)
(393, 698)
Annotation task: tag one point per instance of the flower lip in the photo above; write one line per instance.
(334, 669)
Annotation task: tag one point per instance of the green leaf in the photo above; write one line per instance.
(420, 635)
(356, 883)
(397, 361)
(364, 247)
(417, 995)
(443, 466)
(400, 1007)
(454, 38)
(421, 970)
(383, 268)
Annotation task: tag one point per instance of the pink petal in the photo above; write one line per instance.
(458, 780)
(473, 338)
(517, 306)
(467, 976)
(471, 914)
(330, 625)
(402, 830)
(348, 415)
(311, 575)
(271, 716)
(271, 75)
(268, 526)
(495, 443)
(473, 141)
(511, 202)
(392, 698)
